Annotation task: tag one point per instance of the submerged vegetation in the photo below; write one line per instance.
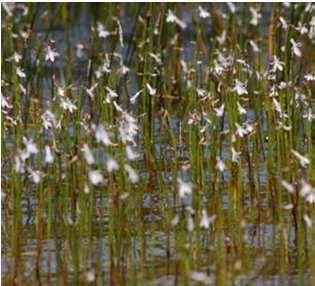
(158, 144)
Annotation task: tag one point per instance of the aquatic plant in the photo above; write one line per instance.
(158, 143)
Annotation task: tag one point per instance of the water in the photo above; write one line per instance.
(67, 231)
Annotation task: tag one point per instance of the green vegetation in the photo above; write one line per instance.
(158, 143)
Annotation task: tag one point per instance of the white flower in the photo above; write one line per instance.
(135, 96)
(225, 61)
(61, 91)
(31, 147)
(304, 161)
(156, 57)
(307, 220)
(302, 29)
(289, 187)
(101, 135)
(90, 91)
(254, 46)
(308, 7)
(240, 131)
(241, 109)
(184, 188)
(22, 88)
(20, 72)
(175, 220)
(285, 127)
(49, 158)
(249, 127)
(220, 165)
(205, 221)
(24, 155)
(86, 189)
(231, 7)
(124, 69)
(221, 39)
(120, 31)
(111, 165)
(15, 57)
(202, 92)
(49, 119)
(255, 16)
(172, 18)
(105, 68)
(202, 278)
(19, 165)
(311, 196)
(24, 35)
(102, 32)
(35, 176)
(309, 115)
(79, 50)
(311, 33)
(152, 91)
(194, 118)
(308, 192)
(284, 23)
(309, 77)
(277, 106)
(66, 104)
(88, 155)
(203, 13)
(240, 87)
(219, 111)
(190, 210)
(118, 107)
(296, 47)
(132, 174)
(90, 276)
(8, 7)
(111, 93)
(128, 128)
(288, 207)
(190, 224)
(277, 64)
(235, 155)
(5, 103)
(130, 153)
(305, 189)
(283, 85)
(95, 177)
(50, 54)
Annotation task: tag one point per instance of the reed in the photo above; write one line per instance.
(157, 143)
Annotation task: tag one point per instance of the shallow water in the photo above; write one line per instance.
(57, 232)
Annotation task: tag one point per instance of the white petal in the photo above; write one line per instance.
(132, 174)
(96, 177)
(111, 165)
(49, 158)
